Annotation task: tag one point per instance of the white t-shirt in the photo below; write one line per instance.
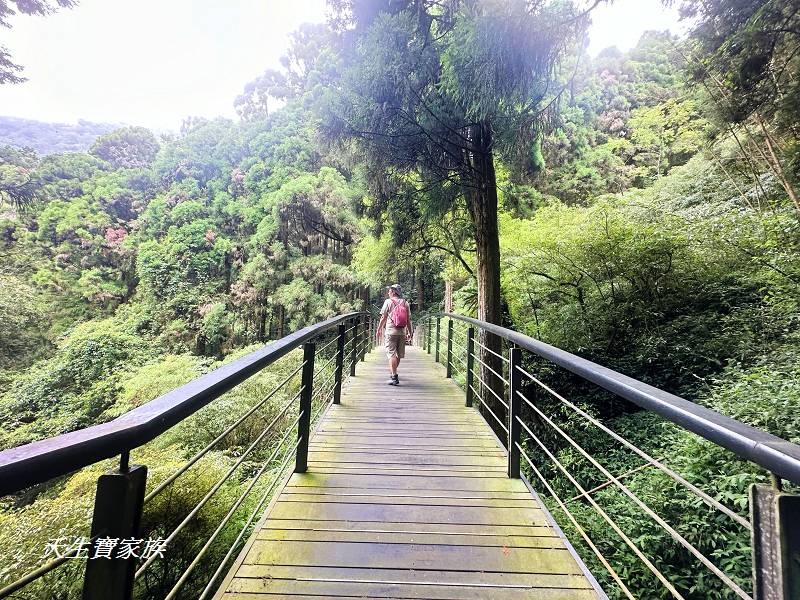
(387, 308)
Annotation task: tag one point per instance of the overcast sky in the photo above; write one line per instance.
(155, 62)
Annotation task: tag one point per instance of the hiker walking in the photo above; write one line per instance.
(396, 318)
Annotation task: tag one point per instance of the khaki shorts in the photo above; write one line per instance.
(395, 345)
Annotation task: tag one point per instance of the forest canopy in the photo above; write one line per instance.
(637, 208)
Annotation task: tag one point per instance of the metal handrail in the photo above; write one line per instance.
(41, 461)
(651, 462)
(496, 374)
(198, 455)
(777, 455)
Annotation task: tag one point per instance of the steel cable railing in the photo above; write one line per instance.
(613, 524)
(490, 369)
(242, 532)
(161, 486)
(650, 460)
(41, 461)
(216, 487)
(322, 393)
(326, 364)
(489, 389)
(321, 349)
(497, 419)
(490, 351)
(581, 531)
(187, 572)
(474, 362)
(647, 510)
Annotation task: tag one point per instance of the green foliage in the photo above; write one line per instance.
(629, 119)
(372, 256)
(666, 135)
(20, 306)
(51, 138)
(75, 386)
(151, 380)
(126, 148)
(16, 183)
(764, 393)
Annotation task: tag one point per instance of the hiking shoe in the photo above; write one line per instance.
(393, 381)
(396, 379)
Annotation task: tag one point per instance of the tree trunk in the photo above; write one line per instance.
(365, 298)
(420, 292)
(262, 321)
(281, 321)
(777, 167)
(448, 296)
(481, 192)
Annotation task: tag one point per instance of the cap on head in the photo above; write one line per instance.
(395, 287)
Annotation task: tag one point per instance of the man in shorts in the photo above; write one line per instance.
(396, 326)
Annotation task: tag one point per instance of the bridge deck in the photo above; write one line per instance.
(406, 496)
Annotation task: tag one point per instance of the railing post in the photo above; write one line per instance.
(337, 390)
(449, 348)
(438, 327)
(117, 514)
(365, 343)
(371, 339)
(776, 543)
(470, 363)
(354, 349)
(304, 424)
(428, 333)
(515, 405)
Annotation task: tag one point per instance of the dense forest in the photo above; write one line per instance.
(638, 208)
(51, 138)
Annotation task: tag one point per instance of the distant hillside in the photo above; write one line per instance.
(51, 138)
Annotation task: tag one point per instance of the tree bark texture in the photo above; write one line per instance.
(365, 298)
(420, 293)
(481, 193)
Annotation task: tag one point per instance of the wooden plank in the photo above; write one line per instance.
(437, 528)
(402, 483)
(413, 556)
(445, 451)
(388, 461)
(444, 578)
(253, 588)
(427, 417)
(430, 444)
(400, 500)
(343, 511)
(390, 594)
(394, 537)
(398, 431)
(409, 493)
(479, 438)
(402, 458)
(415, 470)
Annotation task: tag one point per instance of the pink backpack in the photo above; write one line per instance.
(399, 314)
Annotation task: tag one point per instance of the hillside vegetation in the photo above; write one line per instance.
(51, 138)
(646, 218)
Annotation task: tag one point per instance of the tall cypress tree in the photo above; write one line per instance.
(437, 90)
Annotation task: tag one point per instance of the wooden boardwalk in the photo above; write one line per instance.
(406, 496)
